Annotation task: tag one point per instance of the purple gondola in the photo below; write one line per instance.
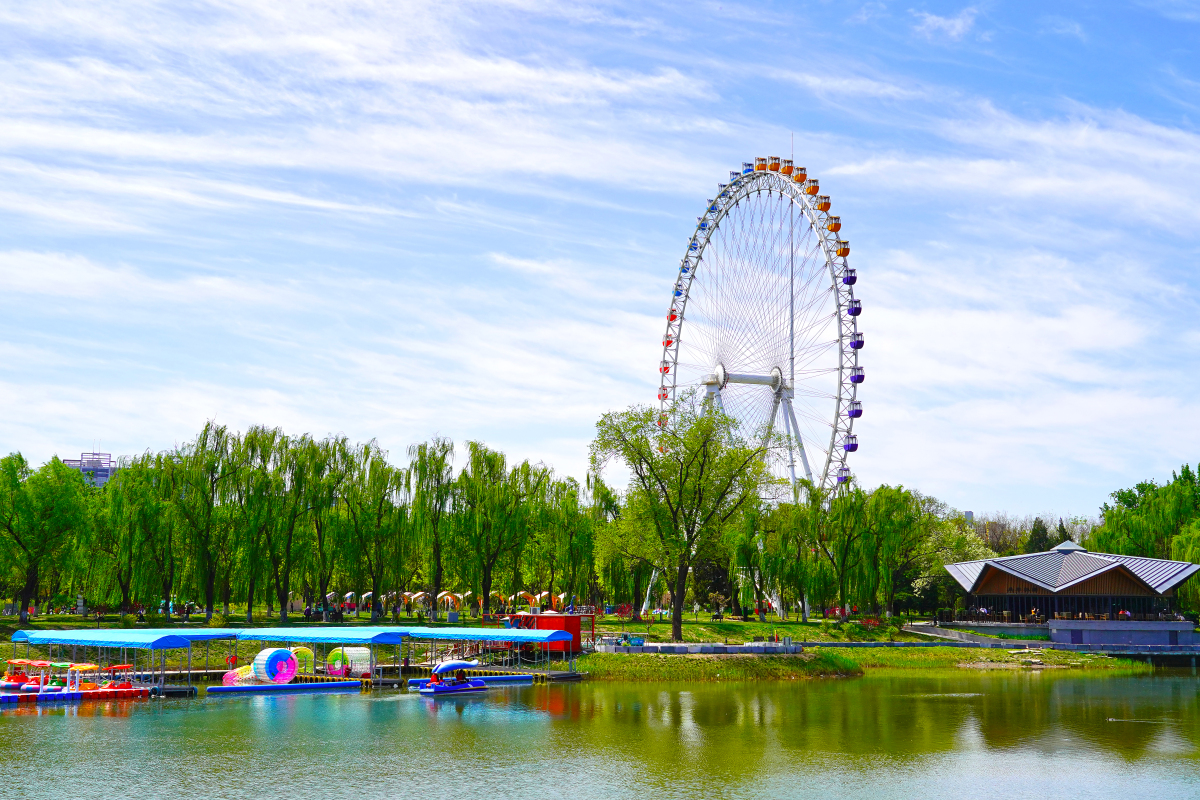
(857, 375)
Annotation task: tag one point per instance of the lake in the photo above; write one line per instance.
(935, 735)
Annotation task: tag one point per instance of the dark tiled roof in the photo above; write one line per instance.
(1067, 565)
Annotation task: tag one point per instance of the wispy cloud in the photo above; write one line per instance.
(465, 218)
(1064, 27)
(955, 28)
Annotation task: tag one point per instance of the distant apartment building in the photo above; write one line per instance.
(97, 467)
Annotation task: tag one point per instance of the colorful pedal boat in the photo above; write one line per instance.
(446, 688)
(14, 676)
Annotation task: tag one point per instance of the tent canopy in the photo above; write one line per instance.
(519, 635)
(167, 638)
(325, 634)
(151, 639)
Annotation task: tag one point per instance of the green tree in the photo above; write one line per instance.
(41, 515)
(379, 530)
(432, 476)
(1146, 519)
(689, 477)
(281, 494)
(203, 472)
(1039, 537)
(495, 506)
(902, 541)
(325, 472)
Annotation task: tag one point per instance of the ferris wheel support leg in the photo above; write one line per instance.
(787, 427)
(713, 395)
(790, 415)
(771, 424)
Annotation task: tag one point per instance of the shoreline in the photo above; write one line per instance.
(828, 662)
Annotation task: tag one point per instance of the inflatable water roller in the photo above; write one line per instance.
(275, 665)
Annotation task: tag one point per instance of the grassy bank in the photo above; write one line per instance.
(617, 667)
(915, 658)
(822, 662)
(738, 632)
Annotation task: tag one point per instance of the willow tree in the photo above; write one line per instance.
(257, 499)
(904, 532)
(494, 507)
(1144, 520)
(836, 524)
(432, 477)
(689, 476)
(375, 502)
(282, 484)
(325, 472)
(203, 471)
(113, 535)
(41, 514)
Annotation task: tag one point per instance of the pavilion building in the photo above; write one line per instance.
(1084, 598)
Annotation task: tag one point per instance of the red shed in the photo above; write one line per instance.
(550, 621)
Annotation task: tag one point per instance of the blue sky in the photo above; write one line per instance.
(392, 221)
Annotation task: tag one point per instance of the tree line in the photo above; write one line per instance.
(262, 519)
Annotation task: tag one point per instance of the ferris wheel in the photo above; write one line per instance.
(763, 320)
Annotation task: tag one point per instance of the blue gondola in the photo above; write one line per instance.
(854, 411)
(849, 276)
(854, 308)
(857, 375)
(856, 341)
(843, 474)
(851, 444)
(747, 167)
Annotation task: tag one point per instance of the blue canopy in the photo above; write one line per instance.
(365, 635)
(153, 639)
(324, 633)
(519, 635)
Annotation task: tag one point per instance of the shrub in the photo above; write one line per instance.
(218, 620)
(128, 620)
(155, 620)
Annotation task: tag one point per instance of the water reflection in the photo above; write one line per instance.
(1003, 735)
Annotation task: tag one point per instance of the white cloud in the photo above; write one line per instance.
(956, 27)
(1064, 27)
(395, 221)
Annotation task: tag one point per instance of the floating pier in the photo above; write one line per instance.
(94, 695)
(288, 688)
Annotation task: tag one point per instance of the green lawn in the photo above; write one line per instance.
(821, 664)
(738, 632)
(818, 662)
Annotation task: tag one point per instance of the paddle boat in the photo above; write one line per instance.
(459, 683)
(75, 681)
(44, 676)
(120, 676)
(14, 676)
